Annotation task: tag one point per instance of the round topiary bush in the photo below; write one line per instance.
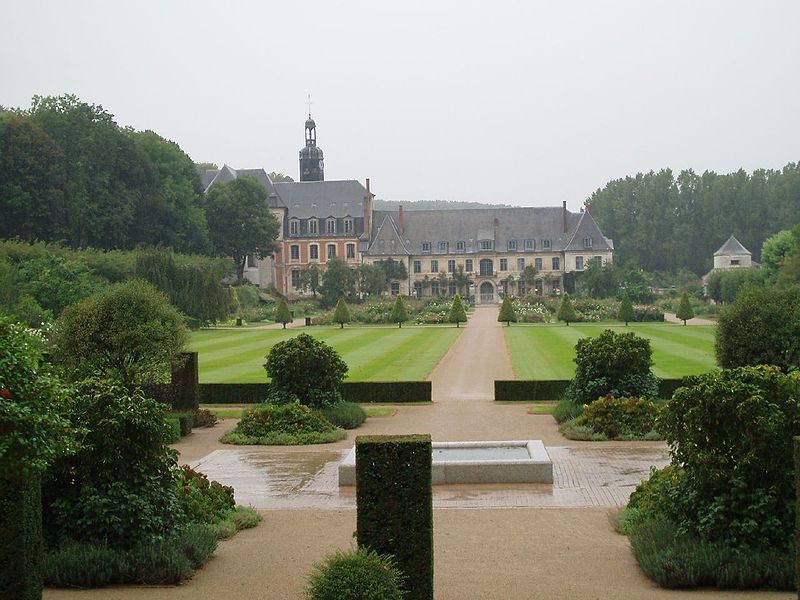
(283, 424)
(356, 575)
(347, 415)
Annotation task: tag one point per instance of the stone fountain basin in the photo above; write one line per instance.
(519, 461)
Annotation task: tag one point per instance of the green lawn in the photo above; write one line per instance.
(371, 353)
(547, 351)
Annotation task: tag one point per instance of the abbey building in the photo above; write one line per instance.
(499, 250)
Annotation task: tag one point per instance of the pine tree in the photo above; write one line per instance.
(399, 313)
(684, 311)
(282, 313)
(457, 313)
(566, 312)
(507, 312)
(625, 309)
(342, 314)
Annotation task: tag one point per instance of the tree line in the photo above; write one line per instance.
(665, 222)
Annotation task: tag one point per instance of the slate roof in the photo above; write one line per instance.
(226, 173)
(387, 241)
(500, 224)
(732, 247)
(306, 199)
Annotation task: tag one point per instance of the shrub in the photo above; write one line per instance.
(507, 313)
(202, 500)
(617, 417)
(395, 505)
(684, 311)
(346, 415)
(386, 391)
(653, 495)
(307, 368)
(566, 312)
(567, 409)
(174, 432)
(78, 564)
(399, 312)
(198, 542)
(529, 390)
(626, 309)
(732, 432)
(185, 420)
(457, 313)
(21, 542)
(283, 424)
(357, 575)
(612, 363)
(202, 417)
(282, 313)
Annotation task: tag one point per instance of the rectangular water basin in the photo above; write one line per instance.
(523, 461)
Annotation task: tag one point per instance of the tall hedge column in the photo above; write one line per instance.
(797, 506)
(21, 537)
(395, 505)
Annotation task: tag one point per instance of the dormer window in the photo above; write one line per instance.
(546, 245)
(294, 227)
(443, 247)
(426, 247)
(587, 242)
(330, 226)
(530, 244)
(460, 246)
(348, 225)
(486, 244)
(313, 226)
(512, 245)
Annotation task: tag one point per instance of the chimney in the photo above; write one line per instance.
(564, 215)
(368, 213)
(401, 221)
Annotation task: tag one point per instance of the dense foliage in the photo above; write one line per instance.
(356, 575)
(283, 424)
(341, 314)
(566, 311)
(723, 286)
(282, 313)
(457, 313)
(129, 331)
(665, 222)
(399, 312)
(307, 369)
(620, 417)
(626, 309)
(507, 313)
(346, 415)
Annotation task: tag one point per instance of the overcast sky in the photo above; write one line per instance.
(526, 103)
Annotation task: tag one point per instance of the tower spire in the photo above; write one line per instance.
(311, 163)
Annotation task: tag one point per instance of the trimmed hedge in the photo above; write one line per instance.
(352, 391)
(797, 508)
(175, 431)
(21, 547)
(394, 499)
(537, 390)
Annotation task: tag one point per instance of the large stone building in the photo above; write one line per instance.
(490, 247)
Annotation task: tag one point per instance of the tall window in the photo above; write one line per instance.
(417, 266)
(295, 278)
(520, 288)
(598, 261)
(434, 266)
(486, 268)
(331, 250)
(468, 265)
(313, 252)
(546, 244)
(348, 225)
(294, 227)
(520, 264)
(451, 266)
(426, 247)
(330, 226)
(351, 250)
(418, 289)
(504, 264)
(530, 244)
(556, 263)
(579, 263)
(294, 252)
(395, 290)
(313, 226)
(512, 245)
(434, 288)
(537, 264)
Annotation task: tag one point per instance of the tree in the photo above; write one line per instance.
(462, 280)
(337, 282)
(626, 309)
(773, 252)
(372, 280)
(309, 278)
(457, 313)
(393, 269)
(282, 313)
(399, 313)
(684, 311)
(279, 177)
(128, 331)
(507, 313)
(239, 221)
(443, 281)
(307, 369)
(528, 277)
(342, 314)
(762, 326)
(566, 312)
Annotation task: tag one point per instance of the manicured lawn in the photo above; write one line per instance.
(371, 353)
(547, 351)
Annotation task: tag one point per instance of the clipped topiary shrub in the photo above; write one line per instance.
(283, 424)
(356, 575)
(395, 505)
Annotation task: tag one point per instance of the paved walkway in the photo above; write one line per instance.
(671, 318)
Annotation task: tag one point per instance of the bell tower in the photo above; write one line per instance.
(311, 162)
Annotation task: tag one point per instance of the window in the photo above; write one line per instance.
(520, 264)
(434, 266)
(530, 244)
(294, 227)
(351, 250)
(556, 263)
(546, 244)
(579, 263)
(434, 288)
(348, 225)
(294, 252)
(331, 250)
(426, 247)
(734, 262)
(468, 265)
(486, 268)
(418, 289)
(295, 278)
(395, 288)
(451, 289)
(330, 226)
(460, 246)
(251, 261)
(537, 264)
(512, 245)
(443, 247)
(520, 288)
(313, 226)
(417, 266)
(598, 261)
(587, 242)
(504, 264)
(313, 252)
(451, 266)
(487, 244)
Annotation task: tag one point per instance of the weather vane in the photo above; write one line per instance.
(309, 106)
